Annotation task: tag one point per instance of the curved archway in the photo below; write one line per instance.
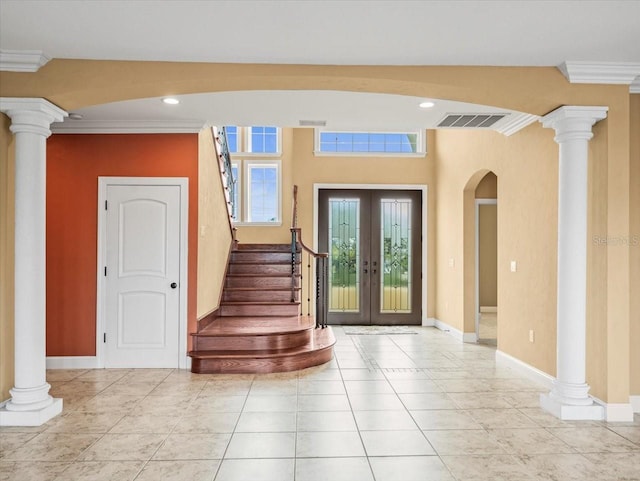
(487, 179)
(73, 84)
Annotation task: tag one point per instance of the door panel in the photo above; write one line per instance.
(143, 251)
(374, 243)
(343, 222)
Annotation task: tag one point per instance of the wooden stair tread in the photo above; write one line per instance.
(284, 289)
(259, 303)
(244, 274)
(264, 247)
(258, 326)
(322, 339)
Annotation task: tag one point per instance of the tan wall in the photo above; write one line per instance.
(526, 166)
(7, 177)
(214, 241)
(634, 338)
(488, 255)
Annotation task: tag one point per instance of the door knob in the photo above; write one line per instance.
(173, 285)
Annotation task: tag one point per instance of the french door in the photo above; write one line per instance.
(373, 238)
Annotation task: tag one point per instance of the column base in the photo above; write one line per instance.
(36, 417)
(570, 412)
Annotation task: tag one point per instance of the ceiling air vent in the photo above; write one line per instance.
(313, 123)
(470, 121)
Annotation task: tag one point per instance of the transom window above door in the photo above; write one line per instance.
(354, 143)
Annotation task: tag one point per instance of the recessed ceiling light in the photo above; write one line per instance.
(427, 105)
(170, 101)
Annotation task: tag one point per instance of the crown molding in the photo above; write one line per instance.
(128, 127)
(516, 123)
(22, 60)
(621, 73)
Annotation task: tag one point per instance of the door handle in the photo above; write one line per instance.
(173, 285)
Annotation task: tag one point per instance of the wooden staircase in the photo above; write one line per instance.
(259, 328)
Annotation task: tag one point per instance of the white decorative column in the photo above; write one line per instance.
(569, 397)
(30, 403)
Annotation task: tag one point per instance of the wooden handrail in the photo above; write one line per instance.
(298, 232)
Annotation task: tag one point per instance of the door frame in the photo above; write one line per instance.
(183, 184)
(478, 203)
(425, 241)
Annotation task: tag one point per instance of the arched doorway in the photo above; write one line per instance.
(480, 256)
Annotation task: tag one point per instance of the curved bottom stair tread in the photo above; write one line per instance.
(315, 352)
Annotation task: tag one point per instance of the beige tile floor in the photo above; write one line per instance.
(405, 407)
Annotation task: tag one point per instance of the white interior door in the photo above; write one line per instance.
(142, 273)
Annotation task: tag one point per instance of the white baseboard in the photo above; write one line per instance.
(616, 412)
(635, 403)
(72, 362)
(456, 333)
(428, 322)
(488, 308)
(525, 369)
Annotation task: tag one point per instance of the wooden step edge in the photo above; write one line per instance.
(315, 345)
(260, 275)
(229, 329)
(258, 289)
(259, 303)
(235, 262)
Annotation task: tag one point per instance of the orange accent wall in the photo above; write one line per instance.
(74, 163)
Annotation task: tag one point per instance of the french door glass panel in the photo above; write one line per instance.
(344, 255)
(395, 255)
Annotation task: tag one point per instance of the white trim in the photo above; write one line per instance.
(635, 403)
(421, 146)
(516, 123)
(425, 218)
(71, 126)
(183, 183)
(22, 60)
(428, 322)
(478, 203)
(600, 72)
(72, 362)
(533, 373)
(616, 412)
(466, 337)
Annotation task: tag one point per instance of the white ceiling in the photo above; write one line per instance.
(333, 32)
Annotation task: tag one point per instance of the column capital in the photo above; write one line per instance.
(33, 115)
(573, 122)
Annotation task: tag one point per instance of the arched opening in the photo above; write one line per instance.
(480, 256)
